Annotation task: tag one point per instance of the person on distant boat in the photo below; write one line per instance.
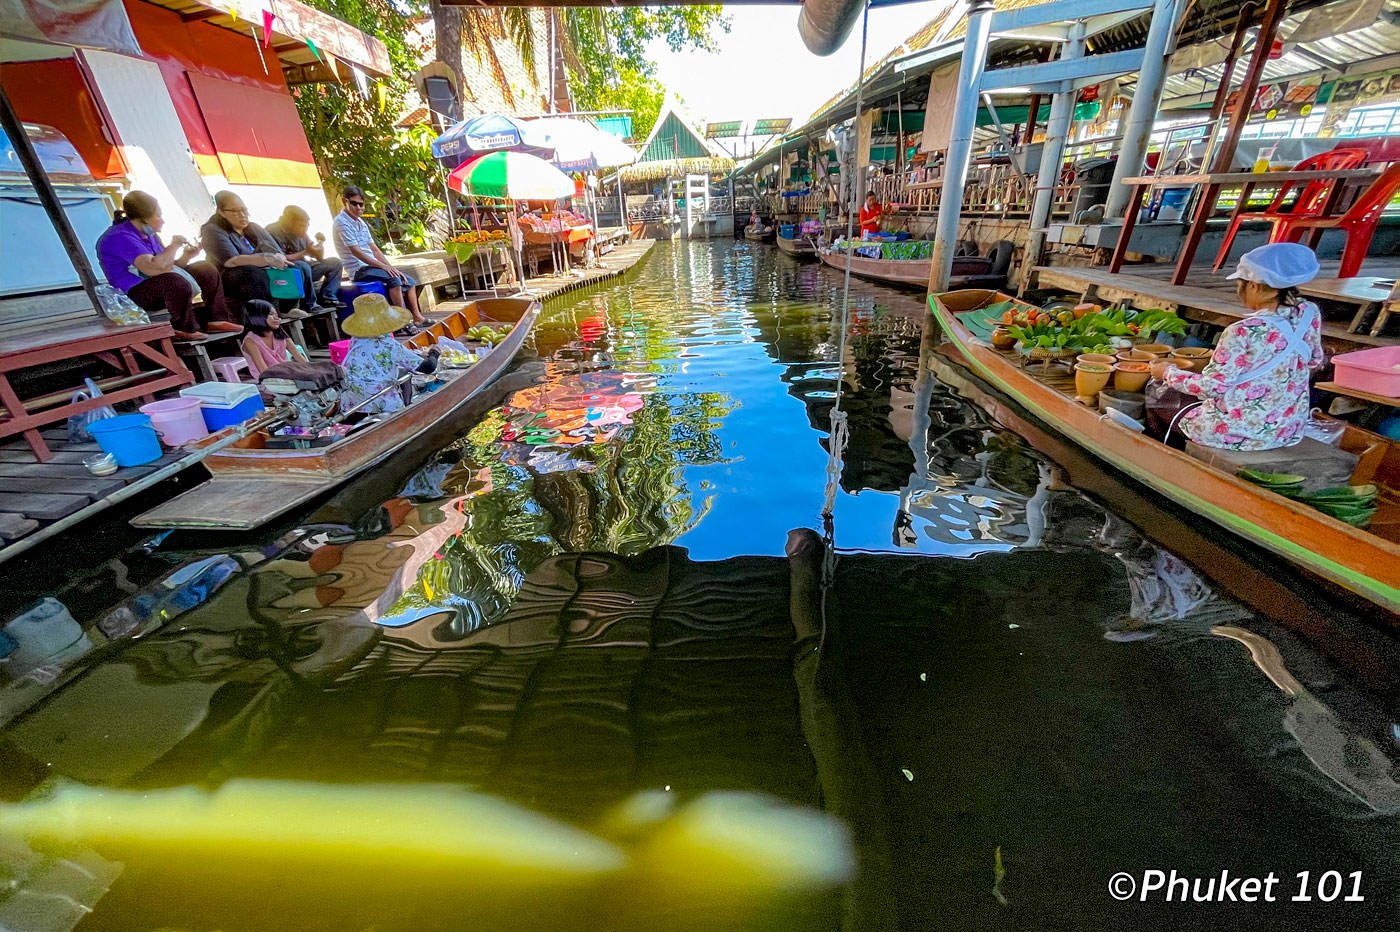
(158, 276)
(1254, 391)
(267, 344)
(870, 214)
(375, 359)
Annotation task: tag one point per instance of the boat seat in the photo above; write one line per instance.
(1321, 466)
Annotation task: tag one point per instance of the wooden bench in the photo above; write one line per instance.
(125, 348)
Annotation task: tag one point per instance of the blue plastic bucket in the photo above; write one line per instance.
(130, 439)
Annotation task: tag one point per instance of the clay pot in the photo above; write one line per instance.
(1160, 350)
(1090, 378)
(1002, 338)
(1159, 368)
(1134, 355)
(1082, 309)
(1194, 358)
(1130, 376)
(1101, 358)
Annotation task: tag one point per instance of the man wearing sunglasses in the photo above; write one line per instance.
(363, 260)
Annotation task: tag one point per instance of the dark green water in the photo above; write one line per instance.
(585, 596)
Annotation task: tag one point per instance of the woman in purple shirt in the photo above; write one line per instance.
(158, 276)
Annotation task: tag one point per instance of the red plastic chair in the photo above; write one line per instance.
(1310, 202)
(1358, 223)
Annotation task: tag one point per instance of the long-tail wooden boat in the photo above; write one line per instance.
(801, 246)
(907, 273)
(253, 483)
(1363, 562)
(767, 236)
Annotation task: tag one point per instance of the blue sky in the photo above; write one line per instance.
(764, 70)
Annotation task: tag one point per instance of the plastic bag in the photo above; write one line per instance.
(78, 423)
(119, 307)
(1324, 429)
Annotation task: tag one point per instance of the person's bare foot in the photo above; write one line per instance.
(224, 326)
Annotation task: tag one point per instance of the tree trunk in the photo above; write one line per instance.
(447, 24)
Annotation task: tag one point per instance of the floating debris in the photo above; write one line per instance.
(998, 875)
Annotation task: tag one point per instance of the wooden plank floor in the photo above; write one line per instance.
(34, 494)
(1210, 297)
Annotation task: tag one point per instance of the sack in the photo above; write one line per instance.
(285, 283)
(314, 375)
(78, 423)
(119, 307)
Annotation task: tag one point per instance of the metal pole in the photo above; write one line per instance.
(974, 62)
(14, 128)
(1147, 100)
(1052, 154)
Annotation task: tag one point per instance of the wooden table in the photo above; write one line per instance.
(122, 347)
(1211, 184)
(1336, 389)
(1366, 292)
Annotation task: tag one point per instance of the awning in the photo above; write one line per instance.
(312, 46)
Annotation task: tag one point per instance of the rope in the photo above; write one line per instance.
(839, 433)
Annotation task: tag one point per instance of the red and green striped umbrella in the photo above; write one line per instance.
(513, 175)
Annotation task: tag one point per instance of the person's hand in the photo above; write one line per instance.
(320, 237)
(1159, 369)
(277, 261)
(178, 240)
(191, 248)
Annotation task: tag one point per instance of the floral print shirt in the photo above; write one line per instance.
(1242, 410)
(370, 366)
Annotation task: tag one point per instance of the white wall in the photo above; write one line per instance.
(265, 203)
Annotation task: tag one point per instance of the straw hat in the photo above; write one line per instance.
(374, 316)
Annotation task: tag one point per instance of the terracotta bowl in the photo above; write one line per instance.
(1156, 349)
(1102, 358)
(1134, 355)
(1194, 358)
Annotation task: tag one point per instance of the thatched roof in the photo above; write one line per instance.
(675, 168)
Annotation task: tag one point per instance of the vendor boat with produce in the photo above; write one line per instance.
(329, 424)
(1225, 431)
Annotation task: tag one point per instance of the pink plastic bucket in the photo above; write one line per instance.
(339, 350)
(178, 420)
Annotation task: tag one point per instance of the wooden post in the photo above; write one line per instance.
(14, 128)
(1225, 154)
(1248, 13)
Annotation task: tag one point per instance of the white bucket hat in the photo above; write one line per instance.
(1278, 265)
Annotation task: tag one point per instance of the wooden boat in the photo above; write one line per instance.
(252, 483)
(907, 273)
(1363, 562)
(767, 236)
(801, 246)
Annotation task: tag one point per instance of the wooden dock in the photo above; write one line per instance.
(612, 267)
(1211, 296)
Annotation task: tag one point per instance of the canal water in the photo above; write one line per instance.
(1019, 697)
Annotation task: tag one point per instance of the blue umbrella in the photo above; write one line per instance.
(489, 132)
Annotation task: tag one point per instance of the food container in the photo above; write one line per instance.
(1376, 371)
(1134, 355)
(1130, 376)
(1133, 404)
(1161, 350)
(1194, 358)
(101, 464)
(1101, 358)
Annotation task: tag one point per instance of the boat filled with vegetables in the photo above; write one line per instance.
(1329, 506)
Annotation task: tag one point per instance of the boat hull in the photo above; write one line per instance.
(907, 273)
(1362, 563)
(760, 237)
(797, 247)
(290, 477)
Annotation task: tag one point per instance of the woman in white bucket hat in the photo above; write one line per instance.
(1254, 391)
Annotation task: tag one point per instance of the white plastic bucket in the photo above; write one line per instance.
(178, 420)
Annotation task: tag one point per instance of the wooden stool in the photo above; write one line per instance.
(228, 367)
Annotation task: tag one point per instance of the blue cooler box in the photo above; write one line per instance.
(225, 403)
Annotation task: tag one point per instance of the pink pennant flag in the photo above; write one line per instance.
(268, 17)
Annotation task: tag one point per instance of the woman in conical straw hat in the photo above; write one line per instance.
(375, 359)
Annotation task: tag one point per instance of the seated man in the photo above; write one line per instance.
(290, 233)
(363, 260)
(242, 251)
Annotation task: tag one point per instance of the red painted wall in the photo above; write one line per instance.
(56, 94)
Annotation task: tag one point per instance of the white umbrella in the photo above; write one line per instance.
(578, 145)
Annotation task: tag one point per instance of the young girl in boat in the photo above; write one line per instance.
(1254, 391)
(267, 344)
(376, 360)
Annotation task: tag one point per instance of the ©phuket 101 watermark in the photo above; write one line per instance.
(1157, 886)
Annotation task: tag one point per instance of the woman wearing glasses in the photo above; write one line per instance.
(242, 250)
(365, 263)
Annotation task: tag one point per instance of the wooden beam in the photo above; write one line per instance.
(200, 16)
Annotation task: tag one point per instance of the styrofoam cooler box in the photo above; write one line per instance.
(1371, 370)
(225, 403)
